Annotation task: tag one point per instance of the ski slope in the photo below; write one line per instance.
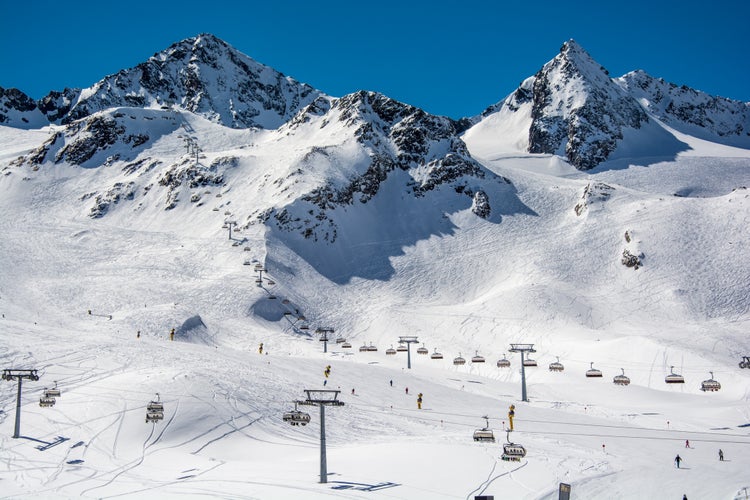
(543, 275)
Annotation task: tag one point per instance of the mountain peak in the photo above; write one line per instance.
(202, 74)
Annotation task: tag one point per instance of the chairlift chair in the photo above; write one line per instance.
(259, 267)
(674, 378)
(285, 302)
(512, 452)
(346, 345)
(372, 348)
(436, 355)
(503, 363)
(271, 282)
(155, 410)
(246, 263)
(46, 402)
(52, 393)
(401, 348)
(296, 417)
(593, 372)
(710, 385)
(621, 379)
(459, 360)
(390, 351)
(484, 434)
(304, 326)
(477, 358)
(340, 340)
(363, 348)
(529, 362)
(556, 366)
(423, 350)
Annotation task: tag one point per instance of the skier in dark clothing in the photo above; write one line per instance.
(721, 456)
(677, 461)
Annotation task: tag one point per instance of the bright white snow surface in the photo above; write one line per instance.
(542, 275)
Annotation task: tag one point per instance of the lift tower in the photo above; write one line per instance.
(13, 374)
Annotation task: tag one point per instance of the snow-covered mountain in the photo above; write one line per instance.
(203, 75)
(692, 112)
(19, 110)
(620, 244)
(572, 108)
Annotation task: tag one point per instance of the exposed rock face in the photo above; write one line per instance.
(691, 111)
(577, 109)
(203, 75)
(394, 137)
(19, 110)
(103, 137)
(596, 192)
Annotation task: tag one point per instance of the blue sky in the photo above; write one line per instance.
(449, 58)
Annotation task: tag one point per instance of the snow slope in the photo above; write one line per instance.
(365, 215)
(542, 275)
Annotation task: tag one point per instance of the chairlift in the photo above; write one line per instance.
(296, 417)
(52, 393)
(402, 348)
(390, 351)
(346, 345)
(503, 363)
(340, 340)
(285, 302)
(46, 402)
(459, 360)
(529, 362)
(710, 385)
(477, 358)
(287, 313)
(246, 263)
(272, 297)
(271, 282)
(259, 267)
(512, 452)
(674, 378)
(621, 379)
(155, 410)
(593, 372)
(247, 249)
(556, 366)
(259, 282)
(372, 348)
(485, 434)
(363, 348)
(304, 326)
(436, 355)
(423, 350)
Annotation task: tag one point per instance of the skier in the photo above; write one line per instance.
(407, 390)
(171, 334)
(677, 461)
(687, 443)
(721, 456)
(352, 391)
(511, 414)
(391, 383)
(260, 348)
(327, 371)
(138, 335)
(419, 401)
